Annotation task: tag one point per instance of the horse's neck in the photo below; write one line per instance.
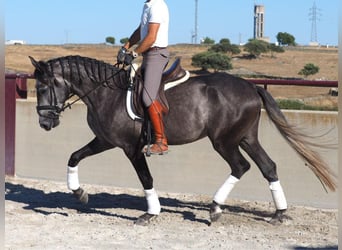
(95, 82)
(88, 76)
(98, 93)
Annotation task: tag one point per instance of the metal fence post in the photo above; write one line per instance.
(10, 102)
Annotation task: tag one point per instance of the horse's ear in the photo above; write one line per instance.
(34, 62)
(40, 66)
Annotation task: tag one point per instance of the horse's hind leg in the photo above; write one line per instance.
(268, 168)
(239, 166)
(94, 147)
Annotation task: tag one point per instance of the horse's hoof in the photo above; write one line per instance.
(81, 195)
(145, 219)
(215, 212)
(278, 217)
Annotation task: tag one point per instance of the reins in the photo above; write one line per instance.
(99, 84)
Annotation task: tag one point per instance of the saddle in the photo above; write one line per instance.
(172, 77)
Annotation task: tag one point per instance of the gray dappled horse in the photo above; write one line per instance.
(223, 107)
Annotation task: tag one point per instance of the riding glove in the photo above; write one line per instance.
(129, 57)
(121, 55)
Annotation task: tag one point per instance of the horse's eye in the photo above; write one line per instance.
(42, 90)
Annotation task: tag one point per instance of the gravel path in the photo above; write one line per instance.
(43, 214)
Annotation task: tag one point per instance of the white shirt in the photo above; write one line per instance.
(156, 11)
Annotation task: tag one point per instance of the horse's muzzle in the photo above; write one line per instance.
(48, 124)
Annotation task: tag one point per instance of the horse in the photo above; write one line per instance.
(220, 106)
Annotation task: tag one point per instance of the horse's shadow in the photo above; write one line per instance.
(57, 203)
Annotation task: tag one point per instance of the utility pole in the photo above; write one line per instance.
(66, 36)
(195, 34)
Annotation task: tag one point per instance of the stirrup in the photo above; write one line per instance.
(148, 152)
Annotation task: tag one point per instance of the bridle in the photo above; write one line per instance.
(54, 109)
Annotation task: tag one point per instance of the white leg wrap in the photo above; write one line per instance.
(153, 205)
(278, 195)
(73, 183)
(223, 192)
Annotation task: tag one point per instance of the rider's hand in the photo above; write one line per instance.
(121, 55)
(129, 57)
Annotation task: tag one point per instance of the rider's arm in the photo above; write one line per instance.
(134, 39)
(150, 38)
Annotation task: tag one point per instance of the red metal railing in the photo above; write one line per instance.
(311, 83)
(20, 83)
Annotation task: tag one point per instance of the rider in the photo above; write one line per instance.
(152, 39)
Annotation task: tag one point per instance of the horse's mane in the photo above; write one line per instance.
(77, 59)
(80, 67)
(81, 59)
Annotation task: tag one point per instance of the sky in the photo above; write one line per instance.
(91, 21)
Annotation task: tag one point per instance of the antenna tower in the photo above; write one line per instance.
(314, 17)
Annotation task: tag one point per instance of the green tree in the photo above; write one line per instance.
(274, 48)
(224, 41)
(255, 47)
(207, 40)
(309, 69)
(285, 38)
(110, 39)
(211, 60)
(124, 40)
(225, 47)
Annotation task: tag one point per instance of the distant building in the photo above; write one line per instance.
(259, 12)
(15, 42)
(259, 23)
(314, 44)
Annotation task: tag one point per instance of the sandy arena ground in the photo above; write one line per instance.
(43, 214)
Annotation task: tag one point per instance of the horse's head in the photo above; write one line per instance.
(51, 94)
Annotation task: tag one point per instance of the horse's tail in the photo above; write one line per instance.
(298, 141)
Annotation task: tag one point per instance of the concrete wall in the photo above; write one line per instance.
(192, 168)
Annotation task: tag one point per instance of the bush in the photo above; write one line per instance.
(110, 40)
(299, 105)
(225, 47)
(255, 47)
(290, 104)
(276, 48)
(124, 40)
(211, 60)
(207, 40)
(309, 69)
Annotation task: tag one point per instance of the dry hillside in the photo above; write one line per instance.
(285, 64)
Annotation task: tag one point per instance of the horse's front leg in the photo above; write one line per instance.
(145, 177)
(94, 147)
